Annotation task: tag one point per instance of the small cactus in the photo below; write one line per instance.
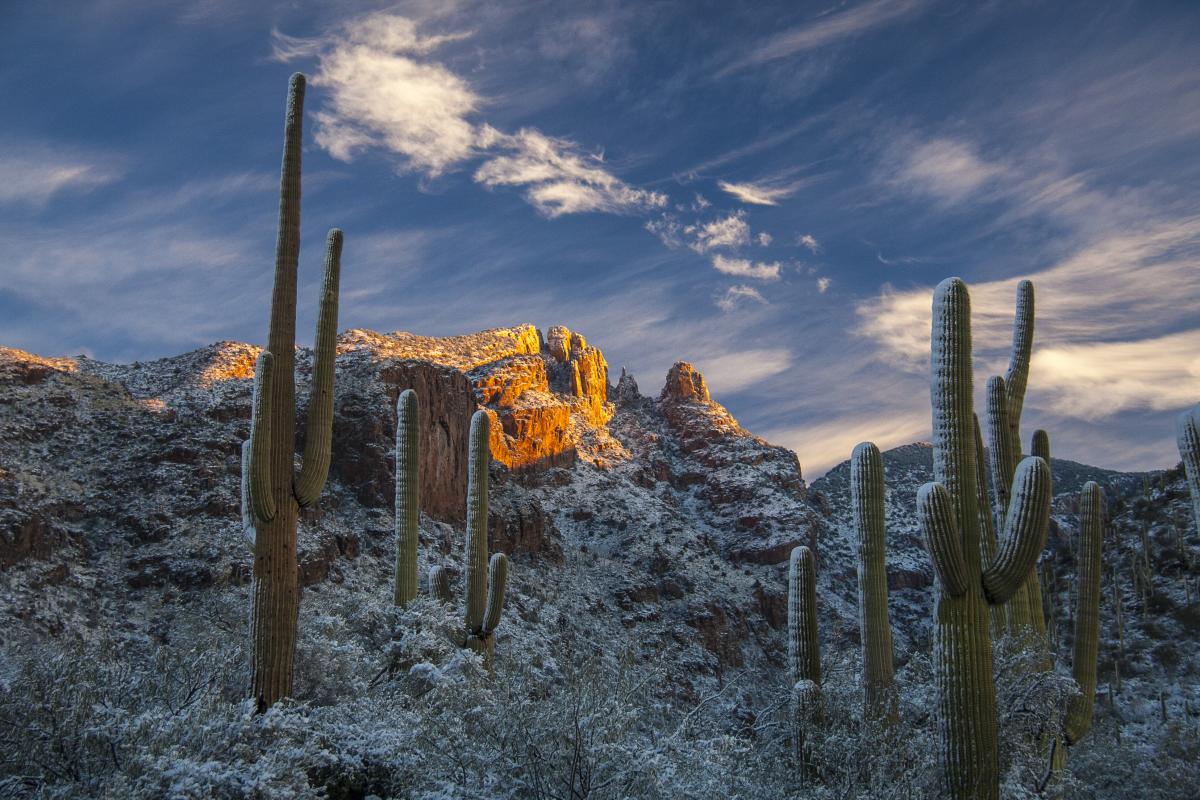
(866, 493)
(804, 644)
(1188, 430)
(439, 584)
(804, 650)
(485, 580)
(408, 512)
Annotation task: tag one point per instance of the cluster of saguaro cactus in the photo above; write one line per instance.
(272, 493)
(486, 579)
(950, 516)
(1188, 429)
(866, 492)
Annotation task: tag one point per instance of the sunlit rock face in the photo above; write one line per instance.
(685, 384)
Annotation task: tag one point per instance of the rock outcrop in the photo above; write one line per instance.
(685, 384)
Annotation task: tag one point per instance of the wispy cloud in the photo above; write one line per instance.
(729, 373)
(823, 285)
(809, 241)
(735, 295)
(946, 169)
(560, 179)
(33, 175)
(756, 193)
(745, 268)
(1107, 336)
(824, 31)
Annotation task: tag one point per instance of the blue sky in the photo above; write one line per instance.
(769, 191)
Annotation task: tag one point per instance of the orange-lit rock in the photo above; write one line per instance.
(685, 383)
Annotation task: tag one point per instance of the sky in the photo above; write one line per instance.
(769, 191)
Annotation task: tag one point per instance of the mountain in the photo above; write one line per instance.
(649, 537)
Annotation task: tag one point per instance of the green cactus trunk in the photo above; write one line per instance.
(1087, 613)
(950, 517)
(1188, 431)
(276, 494)
(804, 644)
(804, 652)
(866, 492)
(408, 458)
(486, 579)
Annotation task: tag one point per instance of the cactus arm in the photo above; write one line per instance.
(258, 463)
(935, 508)
(1040, 445)
(1025, 528)
(439, 584)
(1002, 459)
(1087, 615)
(987, 527)
(867, 497)
(1017, 376)
(804, 644)
(477, 505)
(247, 514)
(1188, 437)
(497, 580)
(319, 433)
(408, 455)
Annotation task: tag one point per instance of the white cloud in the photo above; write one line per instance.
(757, 193)
(822, 285)
(730, 231)
(745, 268)
(732, 372)
(809, 241)
(821, 445)
(764, 239)
(384, 93)
(560, 180)
(736, 294)
(32, 176)
(380, 95)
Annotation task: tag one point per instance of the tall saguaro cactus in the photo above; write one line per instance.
(950, 517)
(275, 491)
(485, 579)
(408, 459)
(1188, 429)
(866, 493)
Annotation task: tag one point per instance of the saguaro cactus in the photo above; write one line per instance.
(408, 455)
(485, 590)
(1087, 613)
(804, 650)
(866, 493)
(1188, 429)
(950, 518)
(804, 644)
(275, 492)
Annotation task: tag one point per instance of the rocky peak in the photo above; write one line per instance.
(685, 384)
(627, 389)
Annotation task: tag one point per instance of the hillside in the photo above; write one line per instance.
(649, 538)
